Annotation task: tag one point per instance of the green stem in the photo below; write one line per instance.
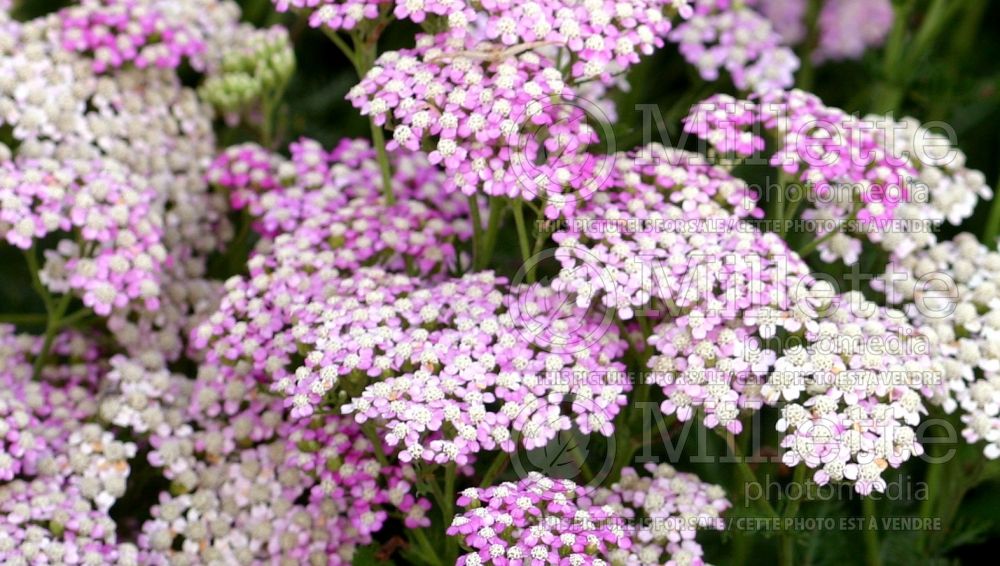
(873, 554)
(427, 551)
(448, 509)
(934, 23)
(369, 431)
(238, 249)
(935, 487)
(54, 312)
(748, 475)
(808, 70)
(810, 247)
(267, 122)
(378, 140)
(522, 238)
(888, 92)
(647, 331)
(792, 209)
(903, 59)
(496, 468)
(75, 317)
(23, 318)
(540, 239)
(779, 210)
(362, 57)
(992, 229)
(578, 457)
(51, 329)
(477, 227)
(36, 281)
(790, 512)
(345, 49)
(492, 230)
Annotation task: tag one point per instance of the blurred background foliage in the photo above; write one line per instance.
(940, 63)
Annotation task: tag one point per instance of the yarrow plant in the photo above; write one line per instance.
(536, 519)
(857, 177)
(965, 330)
(726, 34)
(863, 374)
(664, 510)
(495, 327)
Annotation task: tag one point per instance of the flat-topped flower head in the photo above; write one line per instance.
(855, 389)
(499, 121)
(117, 32)
(245, 171)
(149, 33)
(731, 36)
(860, 175)
(347, 15)
(665, 509)
(847, 28)
(273, 503)
(139, 136)
(666, 238)
(60, 477)
(948, 191)
(536, 519)
(335, 201)
(949, 291)
(450, 379)
(666, 219)
(116, 248)
(603, 37)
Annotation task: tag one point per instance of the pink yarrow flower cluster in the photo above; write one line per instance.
(335, 200)
(604, 37)
(146, 139)
(117, 32)
(845, 28)
(949, 190)
(20, 447)
(854, 392)
(422, 359)
(849, 27)
(667, 239)
(654, 199)
(665, 509)
(537, 520)
(245, 171)
(853, 178)
(950, 292)
(315, 492)
(347, 15)
(59, 478)
(497, 374)
(860, 175)
(116, 250)
(247, 483)
(500, 121)
(787, 17)
(728, 35)
(443, 351)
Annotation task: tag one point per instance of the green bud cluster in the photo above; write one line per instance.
(257, 73)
